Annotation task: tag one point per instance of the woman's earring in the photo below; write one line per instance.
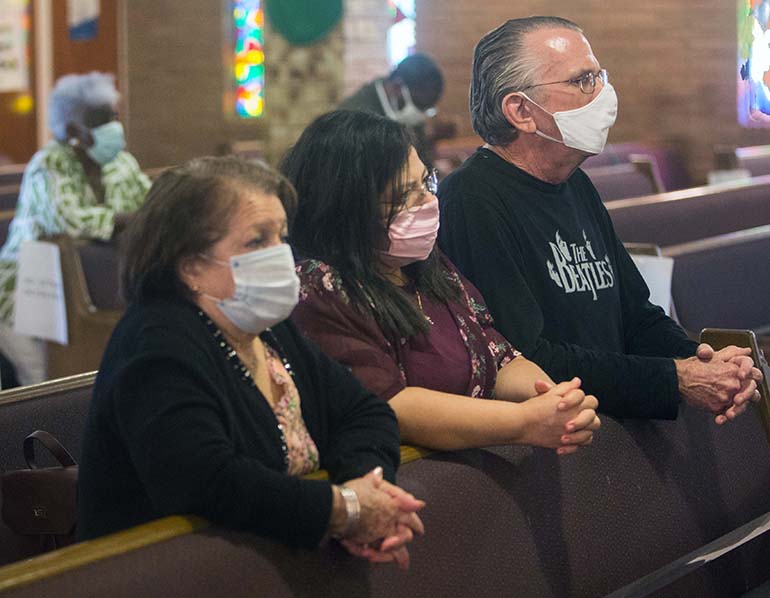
(73, 142)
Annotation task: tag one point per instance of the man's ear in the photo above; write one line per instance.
(518, 112)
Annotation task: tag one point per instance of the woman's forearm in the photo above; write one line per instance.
(445, 421)
(516, 380)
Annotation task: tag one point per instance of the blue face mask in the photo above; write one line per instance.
(109, 141)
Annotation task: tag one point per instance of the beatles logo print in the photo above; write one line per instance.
(575, 268)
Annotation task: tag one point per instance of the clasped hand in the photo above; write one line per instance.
(564, 418)
(722, 382)
(388, 520)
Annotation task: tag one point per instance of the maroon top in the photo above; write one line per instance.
(460, 354)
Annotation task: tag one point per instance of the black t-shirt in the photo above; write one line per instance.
(560, 285)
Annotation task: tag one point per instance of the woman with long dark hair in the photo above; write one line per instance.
(378, 297)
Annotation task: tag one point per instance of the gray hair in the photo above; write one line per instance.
(501, 65)
(73, 95)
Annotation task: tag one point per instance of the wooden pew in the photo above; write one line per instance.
(9, 194)
(507, 521)
(59, 407)
(690, 214)
(89, 324)
(6, 216)
(723, 281)
(755, 159)
(11, 174)
(619, 181)
(668, 163)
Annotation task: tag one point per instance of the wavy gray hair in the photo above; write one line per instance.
(73, 95)
(502, 64)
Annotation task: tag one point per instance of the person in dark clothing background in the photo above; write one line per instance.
(408, 95)
(528, 228)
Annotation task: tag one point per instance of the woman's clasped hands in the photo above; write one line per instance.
(563, 417)
(387, 520)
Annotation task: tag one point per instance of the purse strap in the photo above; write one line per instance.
(48, 441)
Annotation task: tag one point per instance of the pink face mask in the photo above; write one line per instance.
(412, 235)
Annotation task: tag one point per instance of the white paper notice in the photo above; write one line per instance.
(14, 70)
(657, 272)
(40, 308)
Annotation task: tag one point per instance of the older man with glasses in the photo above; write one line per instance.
(528, 228)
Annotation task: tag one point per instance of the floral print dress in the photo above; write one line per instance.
(461, 353)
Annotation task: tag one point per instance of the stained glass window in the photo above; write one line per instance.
(401, 34)
(754, 63)
(248, 66)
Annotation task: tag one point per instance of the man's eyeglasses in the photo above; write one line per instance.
(587, 82)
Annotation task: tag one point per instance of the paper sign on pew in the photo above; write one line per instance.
(40, 309)
(657, 271)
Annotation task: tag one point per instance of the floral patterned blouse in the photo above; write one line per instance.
(460, 354)
(302, 451)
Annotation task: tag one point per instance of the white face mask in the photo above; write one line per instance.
(266, 288)
(585, 128)
(409, 115)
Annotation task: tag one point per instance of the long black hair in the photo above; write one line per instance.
(345, 166)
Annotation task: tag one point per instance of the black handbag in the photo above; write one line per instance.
(42, 501)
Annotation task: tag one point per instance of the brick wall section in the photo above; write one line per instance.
(672, 63)
(366, 28)
(175, 79)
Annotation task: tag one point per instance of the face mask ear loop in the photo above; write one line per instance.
(538, 132)
(213, 260)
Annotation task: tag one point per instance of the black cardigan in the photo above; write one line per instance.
(173, 428)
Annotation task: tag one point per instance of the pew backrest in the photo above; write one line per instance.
(687, 215)
(59, 407)
(99, 261)
(88, 327)
(755, 159)
(507, 521)
(11, 174)
(9, 195)
(723, 281)
(6, 217)
(620, 181)
(668, 163)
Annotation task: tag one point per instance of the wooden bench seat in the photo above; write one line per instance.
(619, 181)
(666, 160)
(755, 159)
(9, 195)
(59, 407)
(506, 521)
(690, 214)
(723, 281)
(89, 274)
(11, 174)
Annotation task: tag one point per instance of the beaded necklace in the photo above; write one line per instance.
(235, 362)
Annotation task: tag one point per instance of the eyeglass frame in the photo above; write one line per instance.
(429, 184)
(601, 75)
